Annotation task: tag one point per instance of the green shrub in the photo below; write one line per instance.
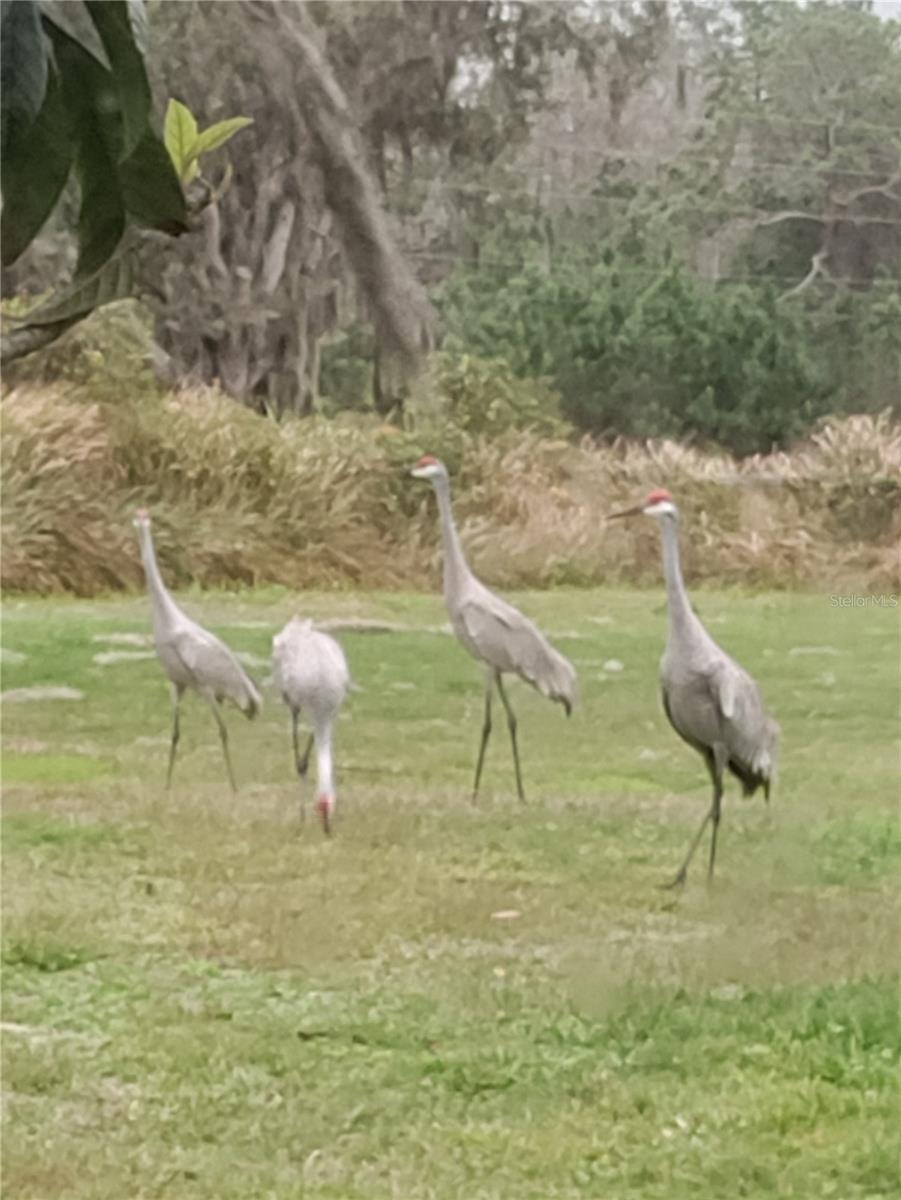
(109, 353)
(345, 371)
(645, 356)
(484, 396)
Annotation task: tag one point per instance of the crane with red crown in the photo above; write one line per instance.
(712, 703)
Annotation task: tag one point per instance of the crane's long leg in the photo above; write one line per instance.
(715, 766)
(302, 762)
(177, 693)
(486, 733)
(511, 725)
(680, 875)
(223, 738)
(715, 815)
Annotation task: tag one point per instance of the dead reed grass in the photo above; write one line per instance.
(240, 500)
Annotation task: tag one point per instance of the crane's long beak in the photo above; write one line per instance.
(636, 511)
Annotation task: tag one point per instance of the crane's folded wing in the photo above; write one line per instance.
(214, 668)
(508, 641)
(750, 734)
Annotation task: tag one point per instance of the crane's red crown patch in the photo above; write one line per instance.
(142, 514)
(428, 460)
(659, 496)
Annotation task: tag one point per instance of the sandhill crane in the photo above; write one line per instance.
(492, 630)
(310, 671)
(712, 703)
(191, 656)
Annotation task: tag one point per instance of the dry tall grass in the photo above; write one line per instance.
(242, 500)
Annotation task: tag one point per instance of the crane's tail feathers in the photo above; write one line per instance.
(760, 772)
(751, 778)
(566, 695)
(555, 677)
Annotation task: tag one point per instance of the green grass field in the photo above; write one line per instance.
(205, 998)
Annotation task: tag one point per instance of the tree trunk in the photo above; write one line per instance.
(405, 320)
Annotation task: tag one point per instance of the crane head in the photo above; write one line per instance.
(141, 518)
(325, 806)
(429, 467)
(658, 503)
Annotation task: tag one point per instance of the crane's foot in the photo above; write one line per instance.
(677, 881)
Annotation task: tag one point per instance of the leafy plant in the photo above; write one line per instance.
(76, 98)
(643, 355)
(76, 101)
(483, 395)
(186, 143)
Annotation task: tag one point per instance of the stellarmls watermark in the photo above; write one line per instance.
(861, 600)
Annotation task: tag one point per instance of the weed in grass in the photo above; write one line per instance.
(43, 955)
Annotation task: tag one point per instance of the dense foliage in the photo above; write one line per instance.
(706, 244)
(76, 101)
(668, 357)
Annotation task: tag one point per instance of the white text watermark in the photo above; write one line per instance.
(864, 600)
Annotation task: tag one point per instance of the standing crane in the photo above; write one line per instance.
(712, 703)
(310, 671)
(191, 656)
(493, 631)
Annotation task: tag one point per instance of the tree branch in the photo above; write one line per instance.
(881, 189)
(16, 343)
(817, 267)
(404, 314)
(790, 214)
(275, 254)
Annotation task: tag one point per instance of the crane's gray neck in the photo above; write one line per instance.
(162, 606)
(681, 617)
(456, 568)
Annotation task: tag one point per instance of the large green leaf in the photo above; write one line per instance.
(23, 69)
(92, 99)
(101, 218)
(111, 18)
(137, 18)
(72, 18)
(112, 183)
(150, 188)
(35, 171)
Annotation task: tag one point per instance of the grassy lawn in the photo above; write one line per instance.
(204, 998)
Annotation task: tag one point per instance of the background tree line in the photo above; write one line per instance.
(685, 218)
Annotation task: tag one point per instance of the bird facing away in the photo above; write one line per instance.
(493, 631)
(192, 657)
(310, 671)
(712, 703)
